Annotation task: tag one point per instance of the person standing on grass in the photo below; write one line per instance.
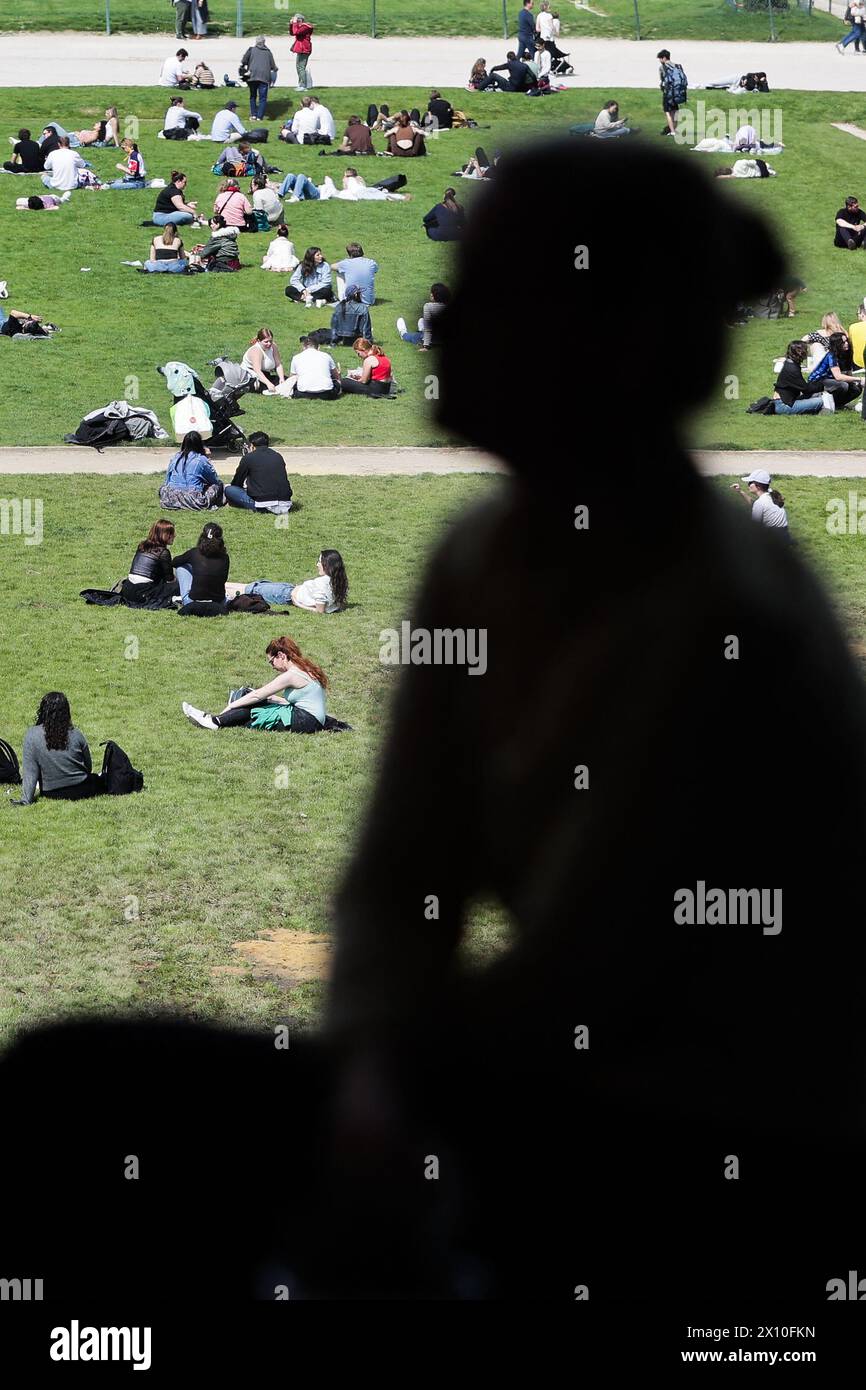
(261, 70)
(302, 32)
(526, 29)
(675, 89)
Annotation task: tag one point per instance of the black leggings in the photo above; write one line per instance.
(92, 785)
(332, 395)
(365, 388)
(325, 293)
(302, 721)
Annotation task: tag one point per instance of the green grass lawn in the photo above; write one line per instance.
(118, 324)
(665, 19)
(214, 850)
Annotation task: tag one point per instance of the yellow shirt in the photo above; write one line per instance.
(857, 337)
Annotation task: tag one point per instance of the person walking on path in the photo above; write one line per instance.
(526, 30)
(302, 32)
(856, 14)
(259, 70)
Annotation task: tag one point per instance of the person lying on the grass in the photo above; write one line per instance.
(170, 204)
(263, 362)
(793, 395)
(27, 157)
(57, 757)
(104, 132)
(746, 141)
(293, 701)
(133, 168)
(18, 321)
(45, 202)
(221, 252)
(355, 190)
(427, 336)
(350, 319)
(166, 253)
(380, 118)
(850, 226)
(261, 482)
(746, 169)
(311, 279)
(373, 377)
(835, 371)
(191, 481)
(280, 254)
(202, 572)
(327, 593)
(478, 166)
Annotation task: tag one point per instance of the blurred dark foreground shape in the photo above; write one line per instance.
(609, 647)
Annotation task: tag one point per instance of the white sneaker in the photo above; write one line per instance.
(402, 327)
(4, 292)
(198, 716)
(840, 48)
(320, 303)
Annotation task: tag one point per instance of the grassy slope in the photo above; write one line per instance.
(213, 850)
(132, 323)
(670, 19)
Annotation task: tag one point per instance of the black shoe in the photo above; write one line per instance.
(666, 131)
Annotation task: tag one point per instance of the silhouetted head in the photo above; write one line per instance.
(562, 194)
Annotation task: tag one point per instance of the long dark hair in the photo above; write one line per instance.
(192, 444)
(308, 264)
(844, 355)
(332, 564)
(159, 537)
(774, 495)
(211, 542)
(55, 717)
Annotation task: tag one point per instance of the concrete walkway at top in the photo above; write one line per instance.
(374, 462)
(135, 60)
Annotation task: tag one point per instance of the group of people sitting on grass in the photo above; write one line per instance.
(821, 373)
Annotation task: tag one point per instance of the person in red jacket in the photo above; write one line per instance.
(302, 32)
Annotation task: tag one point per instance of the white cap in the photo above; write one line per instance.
(760, 475)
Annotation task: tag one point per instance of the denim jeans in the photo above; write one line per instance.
(178, 218)
(856, 33)
(184, 582)
(238, 497)
(258, 100)
(806, 405)
(300, 185)
(412, 337)
(73, 139)
(271, 593)
(166, 267)
(128, 183)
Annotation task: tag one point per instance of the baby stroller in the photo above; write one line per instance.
(183, 382)
(559, 65)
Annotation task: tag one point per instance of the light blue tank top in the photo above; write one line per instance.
(310, 697)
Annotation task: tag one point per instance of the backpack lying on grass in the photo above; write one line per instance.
(118, 774)
(10, 772)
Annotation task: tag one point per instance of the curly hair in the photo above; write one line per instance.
(55, 717)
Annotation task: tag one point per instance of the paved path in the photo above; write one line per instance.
(374, 462)
(82, 60)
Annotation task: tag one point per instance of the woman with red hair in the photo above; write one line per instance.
(293, 701)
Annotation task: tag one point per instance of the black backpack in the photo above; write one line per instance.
(9, 770)
(118, 774)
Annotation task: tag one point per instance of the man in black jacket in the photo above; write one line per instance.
(519, 77)
(793, 394)
(260, 482)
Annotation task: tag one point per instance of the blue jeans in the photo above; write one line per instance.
(300, 185)
(806, 405)
(258, 100)
(178, 218)
(238, 497)
(73, 139)
(184, 582)
(166, 267)
(857, 32)
(128, 183)
(271, 593)
(412, 337)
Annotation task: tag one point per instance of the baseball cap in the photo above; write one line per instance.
(760, 475)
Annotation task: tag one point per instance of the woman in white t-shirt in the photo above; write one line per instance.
(263, 362)
(281, 252)
(768, 505)
(324, 594)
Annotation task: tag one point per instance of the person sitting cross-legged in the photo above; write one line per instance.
(793, 395)
(850, 226)
(261, 482)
